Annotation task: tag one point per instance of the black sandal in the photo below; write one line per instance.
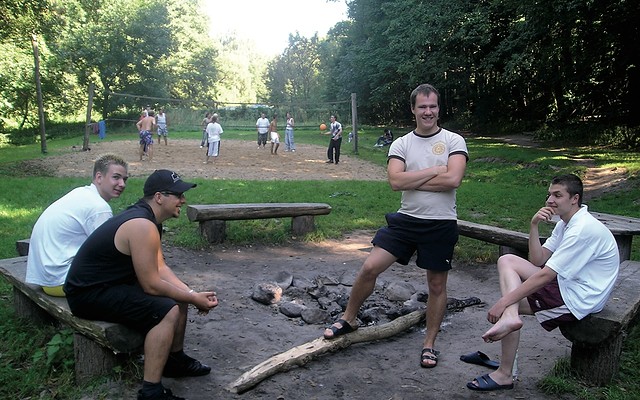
(345, 328)
(431, 357)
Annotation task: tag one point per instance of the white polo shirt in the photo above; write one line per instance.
(586, 259)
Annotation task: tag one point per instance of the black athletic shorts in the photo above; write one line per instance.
(433, 240)
(125, 304)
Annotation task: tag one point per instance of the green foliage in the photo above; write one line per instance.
(58, 351)
(36, 361)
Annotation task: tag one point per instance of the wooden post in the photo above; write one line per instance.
(91, 359)
(600, 363)
(354, 122)
(36, 61)
(302, 225)
(87, 125)
(215, 231)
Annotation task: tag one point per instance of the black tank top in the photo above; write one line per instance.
(98, 262)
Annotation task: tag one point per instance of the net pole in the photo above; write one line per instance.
(354, 119)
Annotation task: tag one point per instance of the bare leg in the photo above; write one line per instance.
(436, 307)
(513, 270)
(150, 152)
(157, 345)
(377, 262)
(181, 327)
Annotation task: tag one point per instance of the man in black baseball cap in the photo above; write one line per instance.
(120, 275)
(163, 180)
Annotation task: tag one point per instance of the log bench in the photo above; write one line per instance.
(597, 338)
(98, 346)
(212, 217)
(623, 229)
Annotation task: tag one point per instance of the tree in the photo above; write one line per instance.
(119, 44)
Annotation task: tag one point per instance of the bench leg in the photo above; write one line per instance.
(302, 225)
(91, 359)
(214, 231)
(597, 364)
(28, 309)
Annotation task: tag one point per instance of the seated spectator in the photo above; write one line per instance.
(385, 139)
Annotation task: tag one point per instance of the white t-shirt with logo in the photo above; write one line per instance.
(420, 152)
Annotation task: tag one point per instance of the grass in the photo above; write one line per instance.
(504, 185)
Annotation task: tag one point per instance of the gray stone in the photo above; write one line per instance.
(348, 277)
(322, 280)
(303, 283)
(315, 316)
(267, 293)
(292, 309)
(399, 291)
(284, 279)
(373, 315)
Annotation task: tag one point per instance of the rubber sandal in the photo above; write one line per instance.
(432, 357)
(486, 384)
(343, 330)
(479, 358)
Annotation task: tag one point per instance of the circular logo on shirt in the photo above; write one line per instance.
(438, 148)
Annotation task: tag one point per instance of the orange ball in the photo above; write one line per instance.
(323, 127)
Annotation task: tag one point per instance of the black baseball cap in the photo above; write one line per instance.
(163, 180)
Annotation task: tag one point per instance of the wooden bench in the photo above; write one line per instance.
(597, 338)
(213, 217)
(623, 230)
(98, 346)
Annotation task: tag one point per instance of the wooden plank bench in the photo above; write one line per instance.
(213, 217)
(98, 346)
(623, 229)
(597, 338)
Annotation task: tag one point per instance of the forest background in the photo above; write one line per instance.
(561, 69)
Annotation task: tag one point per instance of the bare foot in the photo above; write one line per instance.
(502, 328)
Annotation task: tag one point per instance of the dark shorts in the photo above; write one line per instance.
(128, 305)
(433, 240)
(549, 308)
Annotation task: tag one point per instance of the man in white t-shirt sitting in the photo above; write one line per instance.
(568, 277)
(66, 224)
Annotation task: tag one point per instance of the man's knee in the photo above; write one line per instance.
(508, 261)
(437, 283)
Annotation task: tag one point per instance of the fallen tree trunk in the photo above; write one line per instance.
(304, 353)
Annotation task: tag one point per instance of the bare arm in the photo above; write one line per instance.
(451, 179)
(140, 239)
(435, 179)
(400, 179)
(538, 255)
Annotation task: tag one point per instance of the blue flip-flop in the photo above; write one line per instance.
(479, 358)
